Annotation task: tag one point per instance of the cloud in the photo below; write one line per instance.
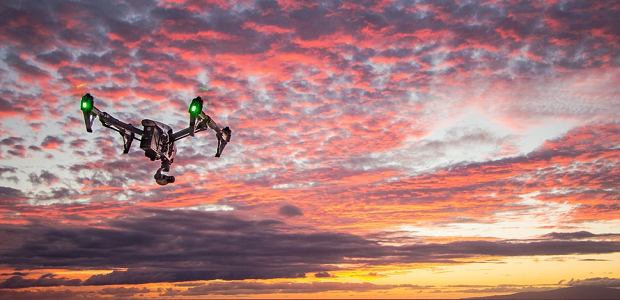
(507, 179)
(9, 195)
(7, 170)
(45, 294)
(505, 248)
(596, 281)
(323, 275)
(123, 291)
(18, 281)
(78, 143)
(197, 245)
(26, 69)
(56, 194)
(258, 288)
(506, 288)
(11, 141)
(45, 177)
(51, 142)
(14, 273)
(247, 253)
(55, 58)
(578, 235)
(7, 109)
(290, 211)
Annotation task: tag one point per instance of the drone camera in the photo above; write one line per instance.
(163, 179)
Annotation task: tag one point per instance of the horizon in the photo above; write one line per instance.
(380, 149)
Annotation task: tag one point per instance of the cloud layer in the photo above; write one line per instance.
(177, 246)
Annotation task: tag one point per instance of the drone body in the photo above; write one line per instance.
(157, 139)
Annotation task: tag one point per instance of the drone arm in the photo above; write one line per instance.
(182, 134)
(127, 131)
(193, 127)
(109, 121)
(205, 122)
(90, 112)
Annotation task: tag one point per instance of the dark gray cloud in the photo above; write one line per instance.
(290, 211)
(323, 275)
(11, 141)
(56, 57)
(56, 194)
(14, 274)
(105, 60)
(4, 170)
(14, 145)
(508, 248)
(10, 192)
(578, 235)
(139, 276)
(37, 25)
(312, 23)
(35, 148)
(18, 281)
(17, 150)
(24, 67)
(45, 177)
(9, 195)
(176, 246)
(223, 247)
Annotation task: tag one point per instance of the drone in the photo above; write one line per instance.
(157, 139)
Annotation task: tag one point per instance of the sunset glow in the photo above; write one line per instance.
(380, 149)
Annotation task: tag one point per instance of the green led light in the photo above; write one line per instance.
(196, 106)
(87, 103)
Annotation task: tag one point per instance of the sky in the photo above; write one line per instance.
(380, 149)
